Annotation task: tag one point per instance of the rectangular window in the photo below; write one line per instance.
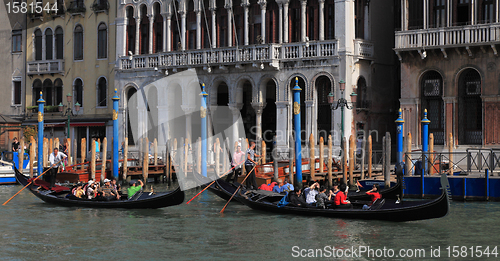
(439, 14)
(17, 93)
(17, 41)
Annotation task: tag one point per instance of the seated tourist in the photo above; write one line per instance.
(134, 188)
(79, 193)
(321, 198)
(311, 192)
(374, 194)
(341, 199)
(108, 192)
(268, 187)
(278, 188)
(287, 187)
(295, 199)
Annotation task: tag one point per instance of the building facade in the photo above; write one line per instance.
(449, 66)
(70, 52)
(249, 54)
(12, 75)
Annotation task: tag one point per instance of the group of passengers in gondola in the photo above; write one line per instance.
(316, 196)
(109, 191)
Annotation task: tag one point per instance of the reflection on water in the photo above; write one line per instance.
(34, 230)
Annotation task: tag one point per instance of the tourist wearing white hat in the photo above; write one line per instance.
(108, 192)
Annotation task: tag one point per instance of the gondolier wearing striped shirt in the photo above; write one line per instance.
(251, 182)
(55, 159)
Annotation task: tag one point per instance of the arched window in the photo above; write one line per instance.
(144, 30)
(38, 45)
(361, 100)
(78, 43)
(130, 30)
(324, 116)
(78, 92)
(58, 87)
(48, 44)
(59, 43)
(48, 92)
(102, 41)
(470, 110)
(432, 100)
(37, 88)
(102, 90)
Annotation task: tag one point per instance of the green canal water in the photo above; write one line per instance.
(34, 230)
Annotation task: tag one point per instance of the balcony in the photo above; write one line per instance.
(270, 54)
(100, 6)
(76, 7)
(448, 37)
(45, 67)
(363, 49)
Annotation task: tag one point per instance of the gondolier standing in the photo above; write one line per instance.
(251, 182)
(55, 159)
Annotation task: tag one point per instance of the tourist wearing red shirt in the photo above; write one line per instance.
(340, 198)
(374, 194)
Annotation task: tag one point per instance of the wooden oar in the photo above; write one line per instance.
(213, 182)
(222, 211)
(30, 183)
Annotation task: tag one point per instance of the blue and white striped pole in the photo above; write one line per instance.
(425, 146)
(115, 135)
(203, 114)
(41, 103)
(298, 144)
(400, 122)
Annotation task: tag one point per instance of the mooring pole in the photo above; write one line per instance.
(298, 144)
(41, 103)
(203, 114)
(399, 123)
(115, 135)
(425, 146)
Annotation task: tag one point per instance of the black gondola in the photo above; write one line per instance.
(138, 201)
(389, 193)
(387, 209)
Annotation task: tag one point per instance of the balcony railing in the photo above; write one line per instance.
(448, 36)
(266, 53)
(100, 6)
(363, 48)
(45, 67)
(76, 7)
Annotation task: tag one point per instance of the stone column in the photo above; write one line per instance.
(404, 15)
(473, 16)
(188, 111)
(285, 22)
(164, 40)
(258, 107)
(198, 29)
(282, 125)
(262, 4)
(310, 118)
(426, 13)
(245, 22)
(280, 23)
(321, 20)
(183, 29)
(137, 34)
(44, 46)
(214, 32)
(229, 25)
(235, 110)
(303, 20)
(150, 40)
(169, 32)
(121, 34)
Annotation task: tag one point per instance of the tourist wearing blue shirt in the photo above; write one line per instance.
(278, 188)
(287, 187)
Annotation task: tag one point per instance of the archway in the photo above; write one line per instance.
(470, 110)
(152, 113)
(269, 113)
(131, 105)
(247, 112)
(324, 113)
(432, 100)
